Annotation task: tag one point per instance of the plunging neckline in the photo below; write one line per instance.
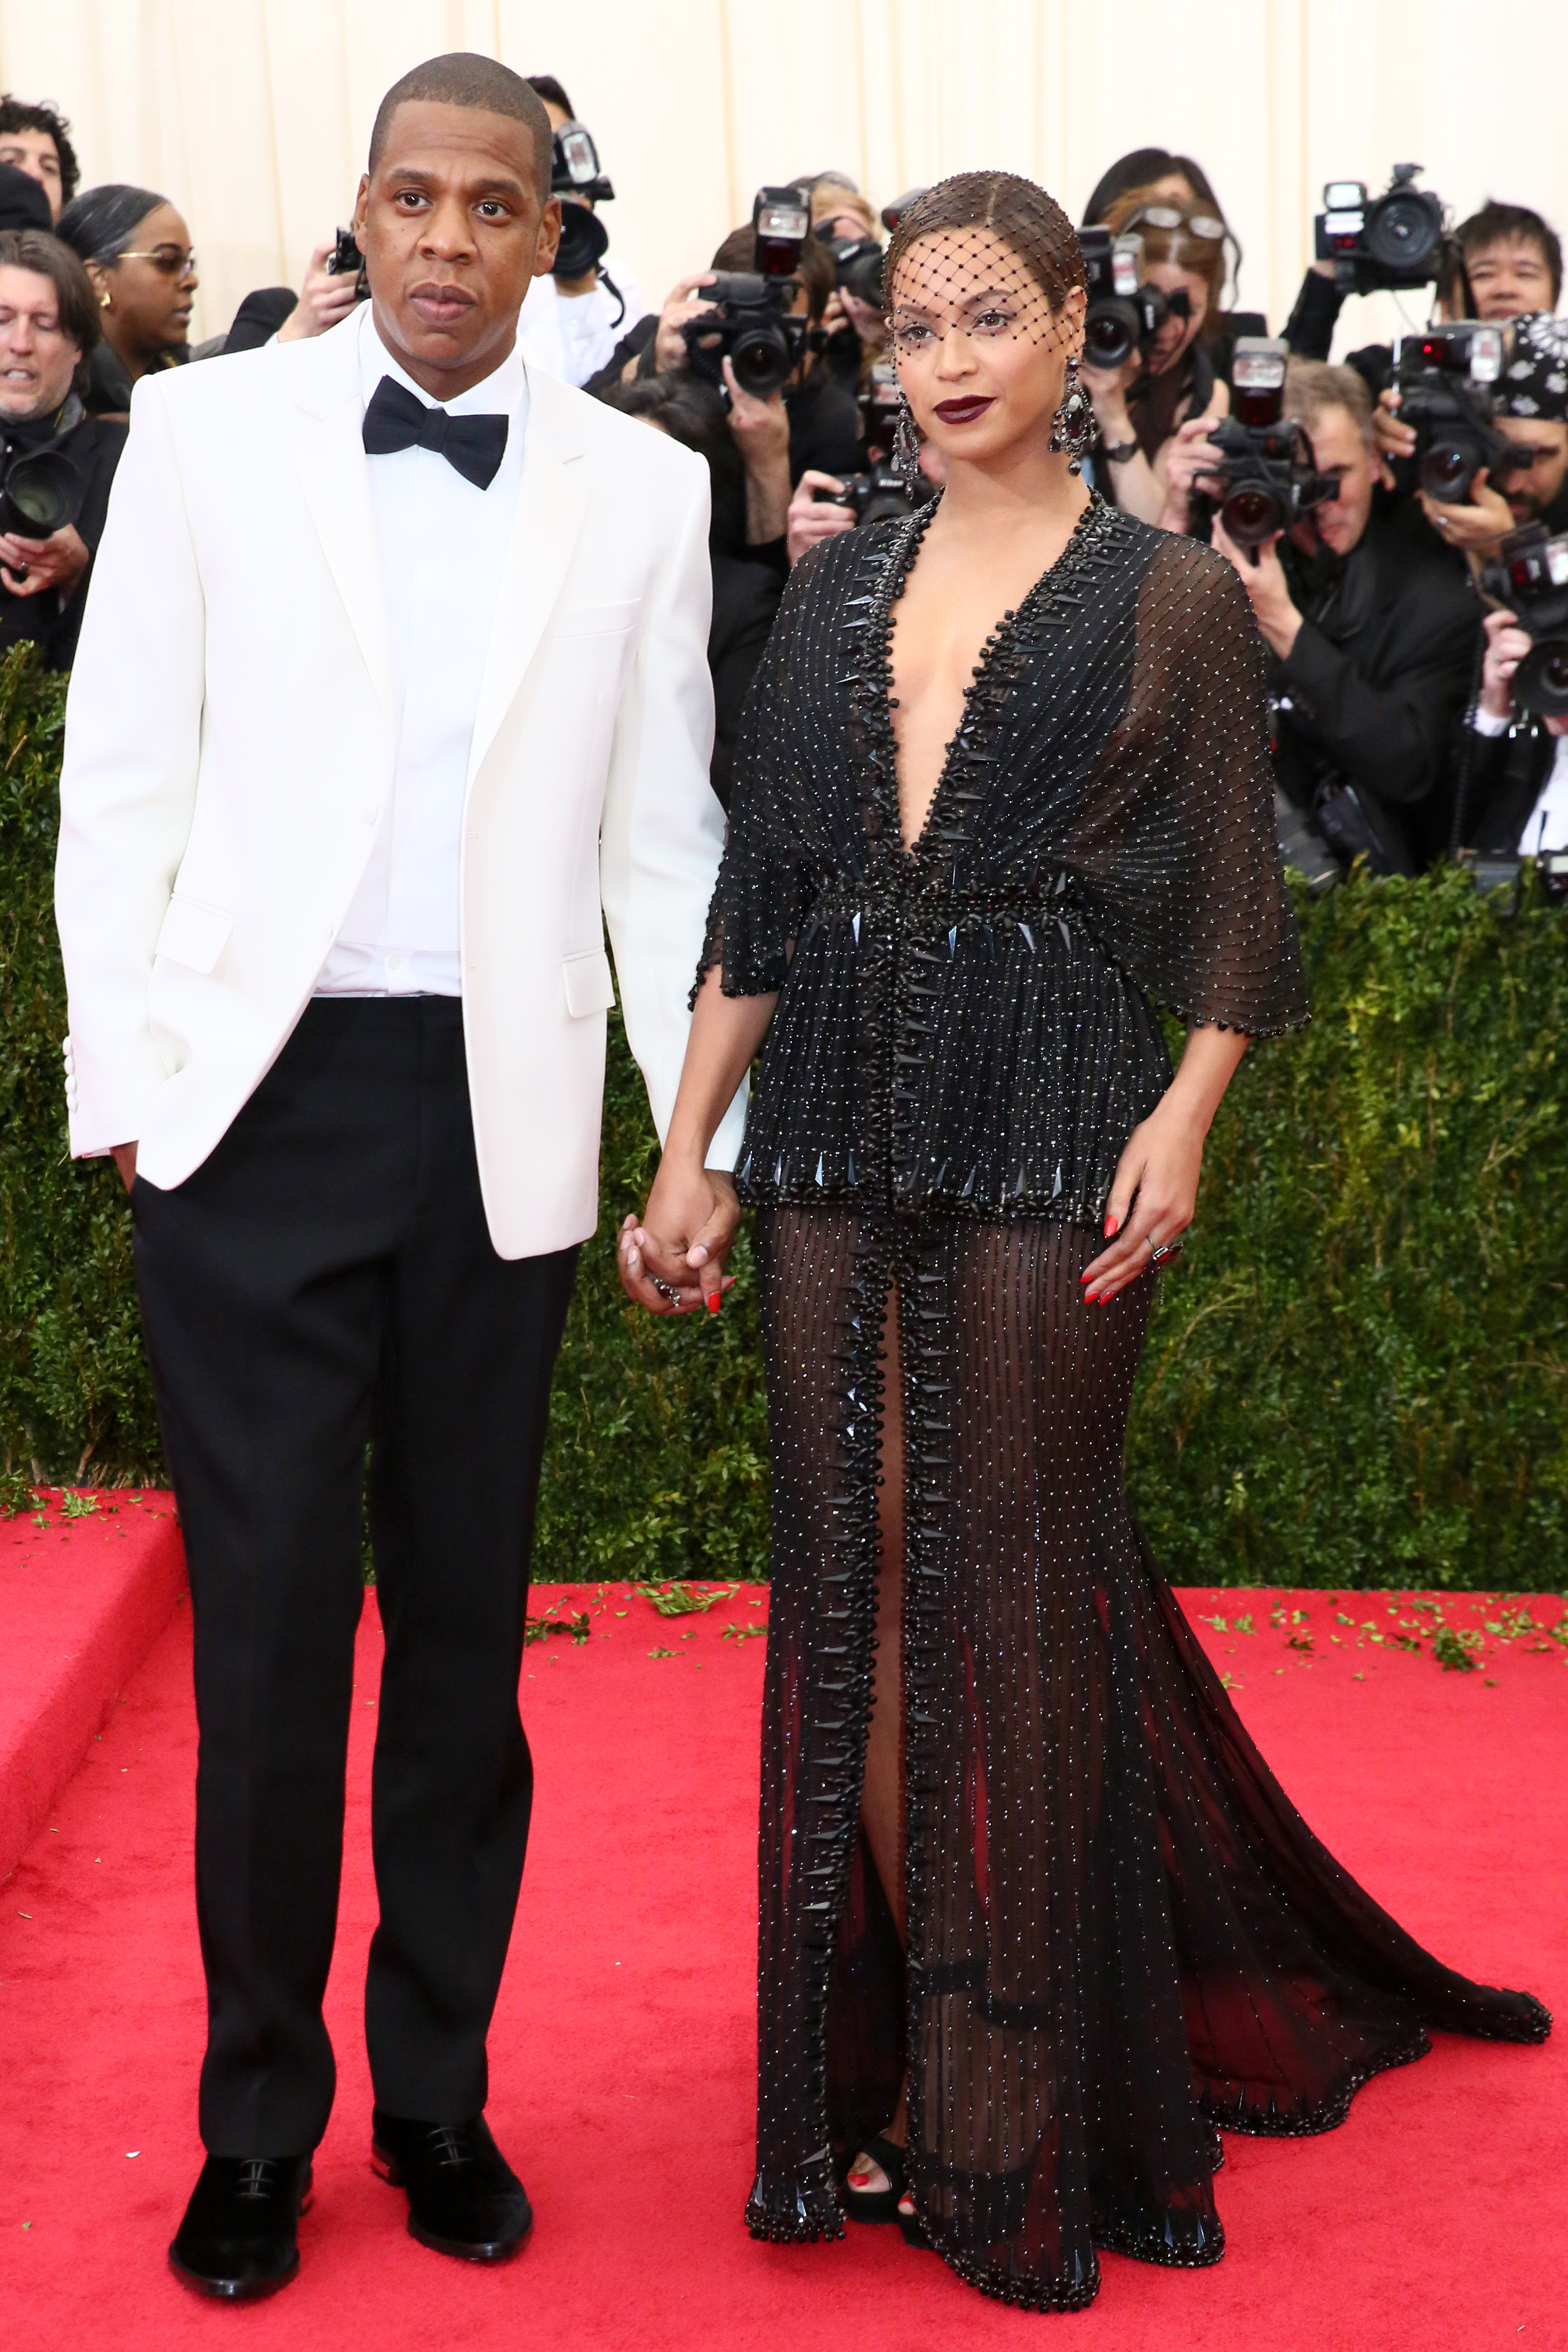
(909, 851)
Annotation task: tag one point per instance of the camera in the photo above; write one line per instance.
(41, 491)
(1392, 243)
(1124, 314)
(749, 321)
(575, 176)
(879, 405)
(1263, 459)
(346, 260)
(1443, 374)
(892, 214)
(875, 496)
(1529, 575)
(858, 262)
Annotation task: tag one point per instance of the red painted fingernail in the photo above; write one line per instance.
(1111, 1224)
(713, 1303)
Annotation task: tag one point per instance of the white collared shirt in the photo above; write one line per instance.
(443, 546)
(1546, 827)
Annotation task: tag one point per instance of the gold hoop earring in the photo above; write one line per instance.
(103, 299)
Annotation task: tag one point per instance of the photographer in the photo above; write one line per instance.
(572, 319)
(35, 139)
(1371, 637)
(137, 252)
(846, 222)
(1172, 378)
(1163, 177)
(823, 423)
(48, 326)
(747, 580)
(1528, 483)
(1511, 793)
(1505, 259)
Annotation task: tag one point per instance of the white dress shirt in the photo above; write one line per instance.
(574, 335)
(443, 544)
(1547, 824)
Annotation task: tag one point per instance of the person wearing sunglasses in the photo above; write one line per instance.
(1139, 406)
(137, 252)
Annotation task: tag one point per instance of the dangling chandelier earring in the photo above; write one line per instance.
(1072, 426)
(907, 446)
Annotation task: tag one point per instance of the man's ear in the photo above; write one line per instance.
(549, 238)
(357, 223)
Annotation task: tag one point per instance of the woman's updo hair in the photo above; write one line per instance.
(1203, 255)
(1030, 223)
(100, 224)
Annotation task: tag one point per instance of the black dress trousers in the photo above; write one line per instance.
(326, 1282)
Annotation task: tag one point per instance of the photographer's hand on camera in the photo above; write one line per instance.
(1262, 575)
(29, 566)
(760, 430)
(815, 513)
(325, 297)
(683, 302)
(1189, 459)
(1477, 525)
(1507, 645)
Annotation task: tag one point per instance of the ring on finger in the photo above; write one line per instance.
(667, 1291)
(1164, 1253)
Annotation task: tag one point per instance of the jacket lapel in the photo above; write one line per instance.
(335, 473)
(553, 499)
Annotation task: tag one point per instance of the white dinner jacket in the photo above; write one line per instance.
(229, 751)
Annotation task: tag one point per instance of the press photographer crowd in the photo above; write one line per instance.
(1400, 520)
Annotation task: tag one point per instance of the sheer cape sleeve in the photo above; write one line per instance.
(1177, 865)
(765, 884)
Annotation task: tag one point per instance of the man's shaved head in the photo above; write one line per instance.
(464, 79)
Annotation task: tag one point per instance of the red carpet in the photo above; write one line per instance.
(1436, 2218)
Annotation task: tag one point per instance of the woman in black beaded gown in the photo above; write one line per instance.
(1036, 1919)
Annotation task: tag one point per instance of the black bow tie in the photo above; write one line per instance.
(396, 420)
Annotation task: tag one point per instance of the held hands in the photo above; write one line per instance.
(29, 566)
(1152, 1198)
(673, 1262)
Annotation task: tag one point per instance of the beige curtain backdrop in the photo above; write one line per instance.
(253, 115)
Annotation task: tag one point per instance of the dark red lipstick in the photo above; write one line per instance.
(965, 411)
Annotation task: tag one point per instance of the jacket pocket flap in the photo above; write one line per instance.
(594, 619)
(589, 988)
(194, 935)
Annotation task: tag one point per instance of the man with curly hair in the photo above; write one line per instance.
(35, 139)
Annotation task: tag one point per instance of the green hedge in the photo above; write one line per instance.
(1355, 1378)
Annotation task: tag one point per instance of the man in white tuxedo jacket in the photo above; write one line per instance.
(392, 692)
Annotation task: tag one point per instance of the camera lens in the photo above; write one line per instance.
(761, 359)
(43, 493)
(1251, 514)
(1541, 681)
(1448, 470)
(1110, 334)
(1400, 232)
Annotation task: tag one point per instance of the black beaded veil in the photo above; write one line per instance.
(1120, 1936)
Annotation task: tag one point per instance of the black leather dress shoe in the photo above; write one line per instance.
(238, 2239)
(464, 2198)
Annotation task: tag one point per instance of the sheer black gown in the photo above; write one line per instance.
(1120, 1936)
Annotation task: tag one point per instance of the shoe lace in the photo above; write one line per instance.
(451, 2145)
(257, 2177)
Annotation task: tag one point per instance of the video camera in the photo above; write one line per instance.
(1443, 374)
(1529, 575)
(858, 262)
(1263, 459)
(749, 323)
(1124, 313)
(1393, 243)
(41, 491)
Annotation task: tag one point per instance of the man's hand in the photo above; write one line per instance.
(29, 566)
(1188, 455)
(761, 429)
(672, 1263)
(1478, 527)
(1393, 438)
(683, 302)
(812, 519)
(325, 297)
(1262, 575)
(124, 1158)
(1507, 645)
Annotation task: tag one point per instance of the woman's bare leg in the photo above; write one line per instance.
(882, 1799)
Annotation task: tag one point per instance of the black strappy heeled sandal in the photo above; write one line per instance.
(878, 2204)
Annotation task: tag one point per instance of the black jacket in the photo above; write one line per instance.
(1498, 781)
(1310, 332)
(94, 446)
(745, 599)
(1379, 672)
